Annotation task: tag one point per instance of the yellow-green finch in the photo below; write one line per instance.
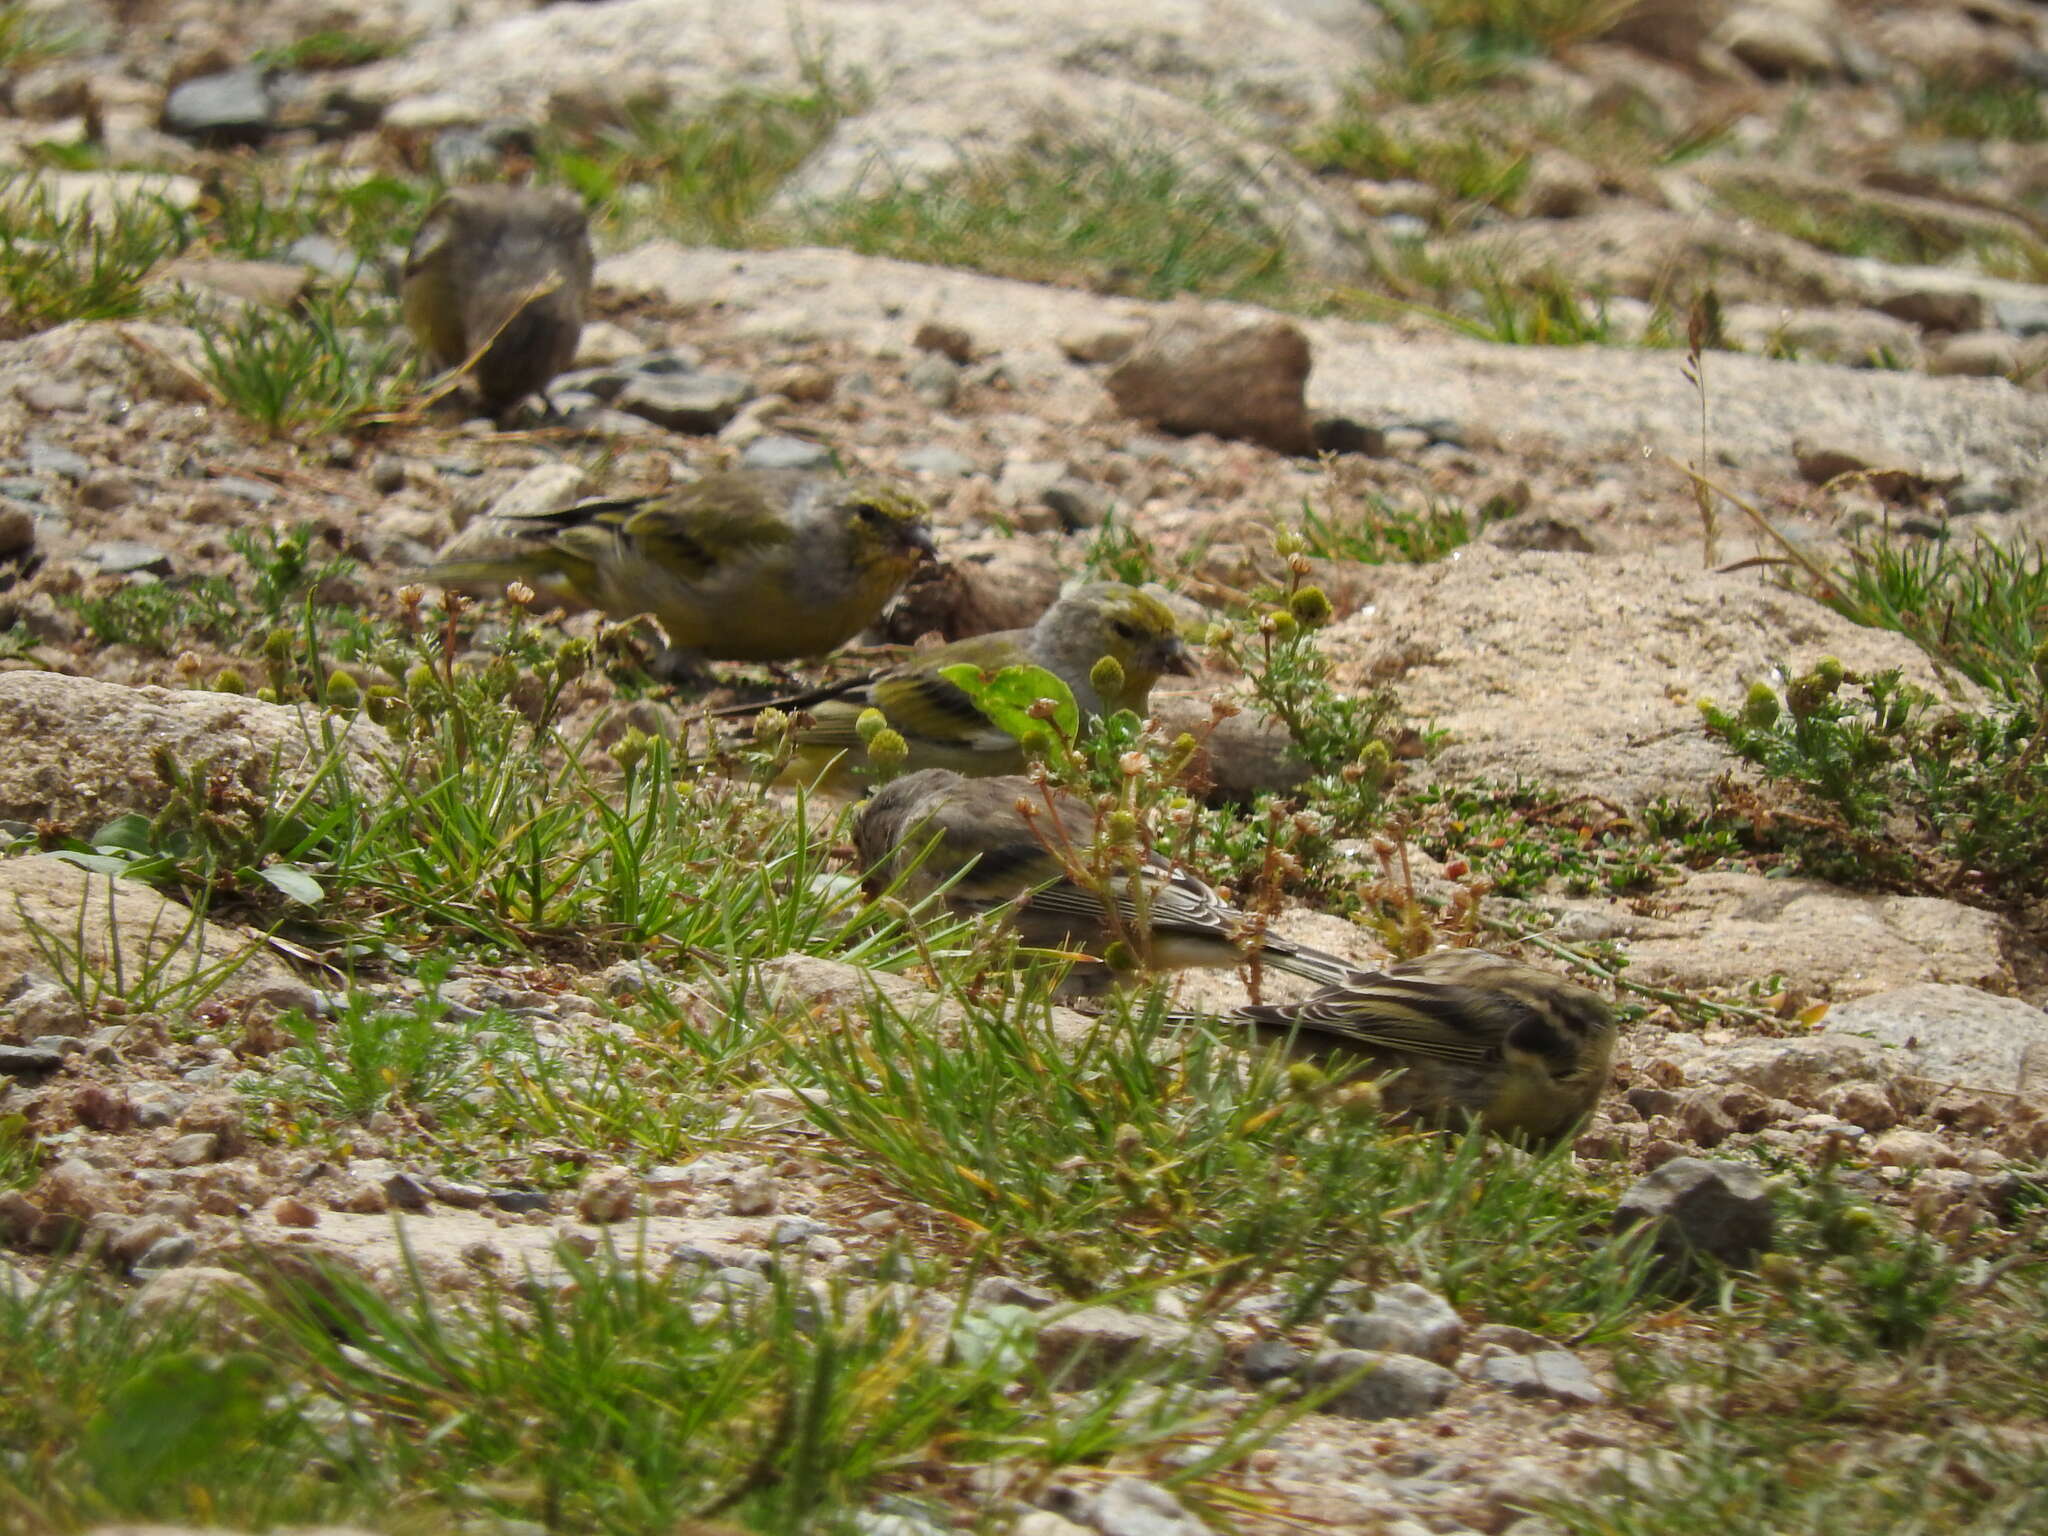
(1041, 859)
(942, 727)
(1475, 1036)
(505, 269)
(748, 565)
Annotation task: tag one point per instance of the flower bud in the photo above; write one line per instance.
(573, 659)
(1118, 957)
(887, 748)
(1121, 828)
(1288, 542)
(228, 680)
(343, 693)
(1357, 1101)
(519, 594)
(770, 727)
(1310, 607)
(1280, 624)
(1760, 708)
(1106, 677)
(1305, 1078)
(631, 749)
(869, 724)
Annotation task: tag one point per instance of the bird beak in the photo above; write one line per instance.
(1175, 657)
(920, 539)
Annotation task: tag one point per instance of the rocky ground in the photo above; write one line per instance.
(1847, 199)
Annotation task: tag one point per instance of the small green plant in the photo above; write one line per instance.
(372, 1056)
(327, 50)
(1124, 218)
(32, 35)
(107, 970)
(1979, 607)
(82, 262)
(305, 372)
(160, 617)
(1133, 1154)
(1993, 109)
(20, 1157)
(1378, 531)
(708, 176)
(1973, 786)
(1340, 734)
(1445, 47)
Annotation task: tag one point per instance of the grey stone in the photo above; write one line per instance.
(17, 528)
(1085, 1345)
(938, 461)
(1699, 1206)
(1974, 496)
(775, 450)
(2021, 316)
(520, 1201)
(1341, 434)
(122, 557)
(1006, 1291)
(698, 403)
(1268, 1360)
(1207, 371)
(28, 1060)
(1387, 1386)
(1954, 1034)
(1132, 1506)
(1553, 1373)
(935, 380)
(47, 458)
(1403, 1320)
(192, 1149)
(407, 1193)
(172, 1252)
(328, 257)
(255, 492)
(223, 110)
(1078, 504)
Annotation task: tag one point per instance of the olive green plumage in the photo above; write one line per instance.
(748, 565)
(940, 725)
(1476, 1037)
(1006, 845)
(507, 266)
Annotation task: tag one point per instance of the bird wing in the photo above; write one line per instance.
(1407, 1014)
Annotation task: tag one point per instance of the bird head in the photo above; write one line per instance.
(1557, 1058)
(1132, 628)
(887, 529)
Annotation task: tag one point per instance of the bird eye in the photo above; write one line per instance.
(868, 512)
(1124, 629)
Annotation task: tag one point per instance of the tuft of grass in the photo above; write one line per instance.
(1980, 608)
(1872, 755)
(1139, 1153)
(611, 1397)
(1117, 218)
(1471, 166)
(1448, 47)
(306, 372)
(59, 265)
(1943, 107)
(30, 36)
(328, 50)
(706, 177)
